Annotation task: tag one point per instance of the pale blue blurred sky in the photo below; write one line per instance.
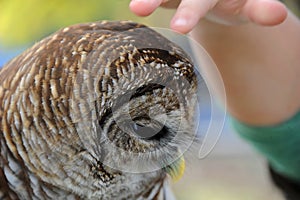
(8, 54)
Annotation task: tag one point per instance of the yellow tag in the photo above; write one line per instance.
(176, 169)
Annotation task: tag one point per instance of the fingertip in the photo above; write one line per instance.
(144, 7)
(188, 14)
(268, 13)
(180, 25)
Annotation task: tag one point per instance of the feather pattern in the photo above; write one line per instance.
(94, 111)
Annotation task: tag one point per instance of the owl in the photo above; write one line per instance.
(101, 110)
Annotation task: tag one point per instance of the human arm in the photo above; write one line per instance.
(260, 68)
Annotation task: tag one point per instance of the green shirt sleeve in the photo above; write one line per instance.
(280, 144)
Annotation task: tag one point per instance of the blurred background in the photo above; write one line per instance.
(232, 171)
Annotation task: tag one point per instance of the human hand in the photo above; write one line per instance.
(230, 12)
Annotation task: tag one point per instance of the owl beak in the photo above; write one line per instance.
(176, 169)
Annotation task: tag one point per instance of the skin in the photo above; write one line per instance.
(261, 66)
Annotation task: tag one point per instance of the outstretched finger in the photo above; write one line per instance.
(265, 12)
(188, 14)
(144, 7)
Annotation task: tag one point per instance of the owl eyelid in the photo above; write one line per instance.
(148, 132)
(142, 117)
(129, 95)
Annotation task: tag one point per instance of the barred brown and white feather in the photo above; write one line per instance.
(72, 108)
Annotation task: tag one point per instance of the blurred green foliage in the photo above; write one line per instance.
(25, 21)
(294, 5)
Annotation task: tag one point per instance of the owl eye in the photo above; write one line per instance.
(147, 132)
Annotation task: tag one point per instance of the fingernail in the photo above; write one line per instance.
(136, 1)
(145, 1)
(180, 22)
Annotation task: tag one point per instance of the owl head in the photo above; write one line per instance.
(142, 110)
(117, 105)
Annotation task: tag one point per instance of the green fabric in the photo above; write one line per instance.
(280, 144)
